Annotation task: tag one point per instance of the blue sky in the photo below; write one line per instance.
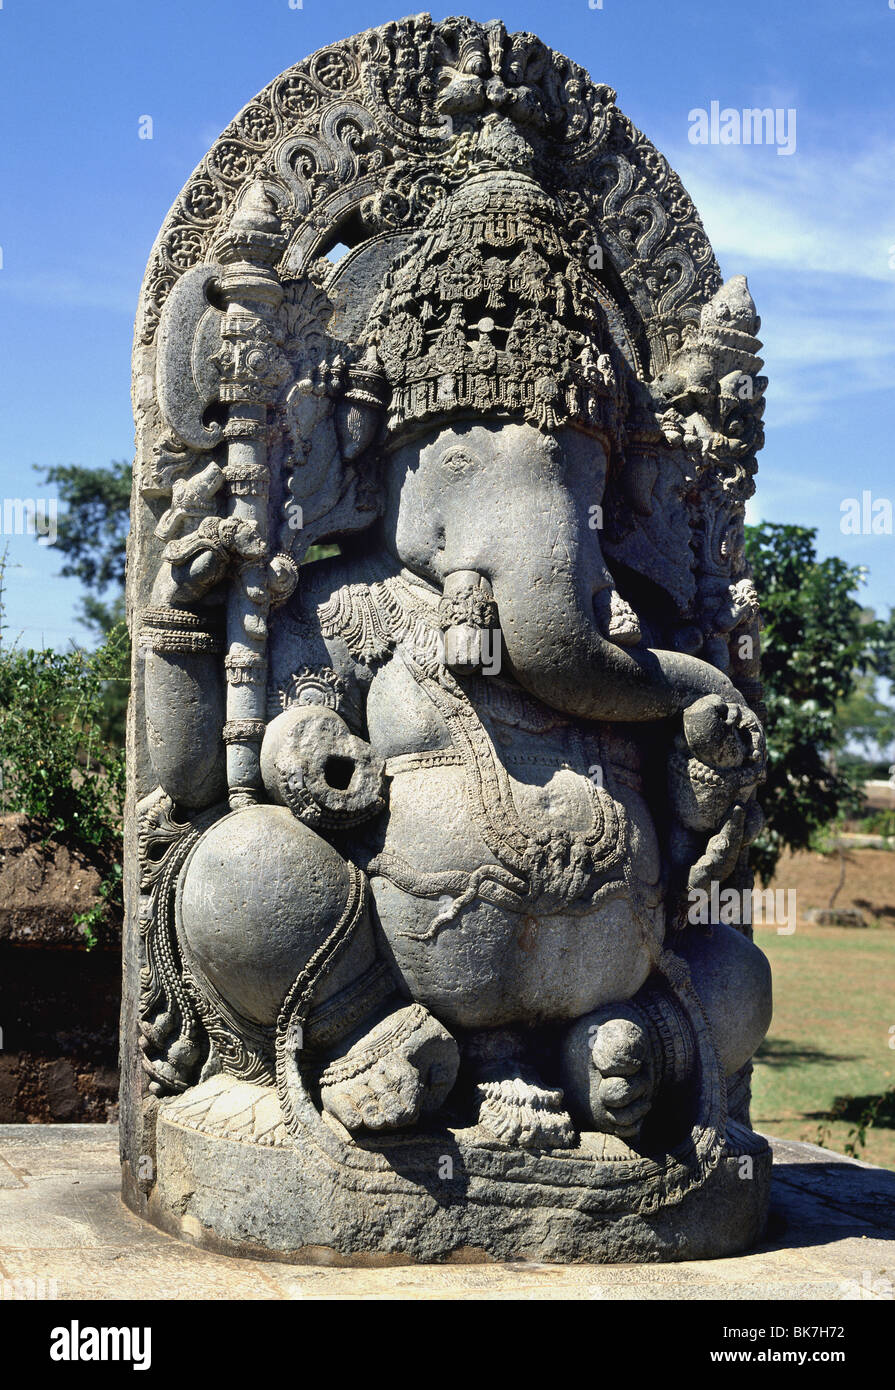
(83, 198)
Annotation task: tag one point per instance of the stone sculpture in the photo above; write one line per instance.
(415, 826)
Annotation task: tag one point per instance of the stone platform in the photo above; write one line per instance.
(831, 1235)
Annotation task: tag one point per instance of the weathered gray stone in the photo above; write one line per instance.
(415, 829)
(836, 916)
(830, 1237)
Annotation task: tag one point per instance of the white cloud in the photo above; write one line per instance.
(814, 233)
(830, 213)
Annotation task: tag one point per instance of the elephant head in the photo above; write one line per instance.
(518, 506)
(507, 394)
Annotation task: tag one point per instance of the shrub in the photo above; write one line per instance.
(56, 764)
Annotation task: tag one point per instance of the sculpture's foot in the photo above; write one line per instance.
(610, 1070)
(513, 1106)
(402, 1069)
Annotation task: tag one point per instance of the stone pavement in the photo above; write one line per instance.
(831, 1236)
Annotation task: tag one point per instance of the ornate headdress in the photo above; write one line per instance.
(534, 257)
(492, 311)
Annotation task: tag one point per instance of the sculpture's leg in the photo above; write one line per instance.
(611, 1069)
(732, 977)
(616, 1060)
(260, 895)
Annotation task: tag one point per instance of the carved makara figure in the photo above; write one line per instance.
(419, 824)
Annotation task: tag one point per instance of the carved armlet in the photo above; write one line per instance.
(172, 630)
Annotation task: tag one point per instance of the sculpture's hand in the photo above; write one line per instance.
(714, 769)
(717, 762)
(181, 642)
(724, 848)
(327, 776)
(195, 565)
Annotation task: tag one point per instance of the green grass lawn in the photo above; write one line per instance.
(834, 1006)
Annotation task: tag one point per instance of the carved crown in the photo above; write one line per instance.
(494, 312)
(578, 286)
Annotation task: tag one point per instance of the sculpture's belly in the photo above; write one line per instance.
(490, 964)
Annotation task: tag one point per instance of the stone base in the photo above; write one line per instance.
(229, 1179)
(829, 1237)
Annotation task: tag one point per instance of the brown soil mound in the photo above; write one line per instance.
(43, 886)
(59, 1001)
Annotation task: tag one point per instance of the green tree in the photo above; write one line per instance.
(92, 535)
(57, 765)
(58, 768)
(816, 644)
(92, 531)
(865, 727)
(882, 645)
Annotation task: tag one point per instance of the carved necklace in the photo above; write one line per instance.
(393, 617)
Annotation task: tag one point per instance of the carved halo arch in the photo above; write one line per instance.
(353, 144)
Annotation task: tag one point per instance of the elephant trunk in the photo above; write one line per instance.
(554, 647)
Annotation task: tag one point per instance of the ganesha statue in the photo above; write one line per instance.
(446, 686)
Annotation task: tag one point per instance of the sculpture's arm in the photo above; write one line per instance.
(716, 764)
(181, 644)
